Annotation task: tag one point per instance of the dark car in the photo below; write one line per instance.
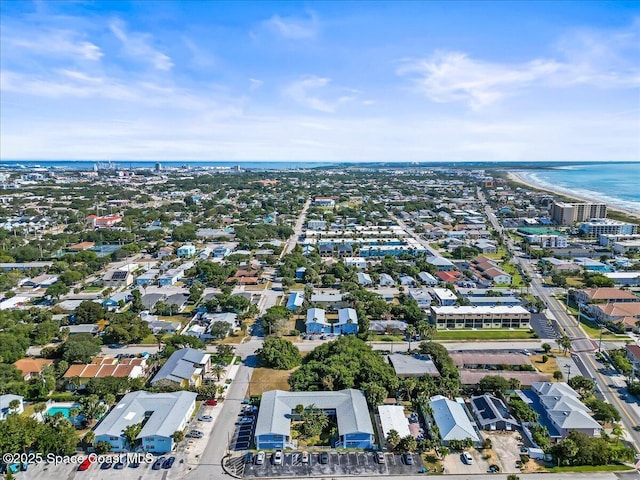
(134, 464)
(169, 462)
(324, 458)
(105, 466)
(119, 465)
(158, 463)
(408, 458)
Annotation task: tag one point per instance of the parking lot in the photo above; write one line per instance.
(94, 472)
(343, 463)
(453, 463)
(506, 445)
(544, 328)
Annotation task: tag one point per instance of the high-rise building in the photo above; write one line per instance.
(158, 167)
(569, 213)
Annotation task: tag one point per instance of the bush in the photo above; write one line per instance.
(545, 358)
(63, 397)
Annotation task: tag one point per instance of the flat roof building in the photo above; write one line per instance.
(454, 317)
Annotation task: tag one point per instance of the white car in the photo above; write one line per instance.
(467, 458)
(260, 458)
(206, 418)
(277, 457)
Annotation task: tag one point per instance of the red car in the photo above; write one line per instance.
(85, 465)
(211, 403)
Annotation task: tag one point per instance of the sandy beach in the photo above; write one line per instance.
(519, 179)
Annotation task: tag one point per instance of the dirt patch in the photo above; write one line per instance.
(548, 367)
(265, 379)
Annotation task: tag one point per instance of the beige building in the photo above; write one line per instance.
(501, 316)
(569, 213)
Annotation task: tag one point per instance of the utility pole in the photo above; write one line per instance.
(600, 343)
(568, 367)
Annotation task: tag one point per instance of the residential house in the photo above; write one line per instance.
(31, 367)
(633, 354)
(221, 251)
(5, 405)
(364, 279)
(105, 221)
(452, 420)
(492, 414)
(328, 299)
(407, 281)
(427, 279)
(564, 409)
(77, 376)
(392, 417)
(161, 415)
(441, 263)
(296, 299)
(41, 281)
(117, 278)
(186, 251)
(317, 322)
(347, 322)
(184, 367)
(358, 262)
(386, 280)
(444, 296)
(421, 296)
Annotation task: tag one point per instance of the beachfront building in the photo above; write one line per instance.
(606, 226)
(567, 214)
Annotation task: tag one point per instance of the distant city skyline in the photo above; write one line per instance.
(320, 81)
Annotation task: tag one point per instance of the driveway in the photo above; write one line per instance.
(453, 463)
(506, 446)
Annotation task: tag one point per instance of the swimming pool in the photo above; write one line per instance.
(63, 408)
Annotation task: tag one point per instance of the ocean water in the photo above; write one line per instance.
(89, 164)
(613, 183)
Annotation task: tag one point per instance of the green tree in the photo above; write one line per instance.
(494, 384)
(546, 348)
(582, 385)
(102, 447)
(89, 312)
(91, 407)
(131, 433)
(178, 436)
(407, 444)
(57, 290)
(279, 353)
(564, 343)
(393, 439)
(314, 421)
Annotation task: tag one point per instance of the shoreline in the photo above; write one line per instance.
(514, 177)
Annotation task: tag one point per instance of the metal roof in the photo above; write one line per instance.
(167, 410)
(413, 365)
(350, 406)
(181, 365)
(452, 420)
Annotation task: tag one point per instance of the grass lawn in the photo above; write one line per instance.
(483, 334)
(149, 340)
(575, 282)
(591, 468)
(549, 367)
(385, 338)
(513, 271)
(93, 289)
(593, 331)
(497, 256)
(265, 379)
(431, 462)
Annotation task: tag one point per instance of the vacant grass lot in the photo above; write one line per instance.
(265, 379)
(483, 335)
(593, 331)
(549, 367)
(591, 468)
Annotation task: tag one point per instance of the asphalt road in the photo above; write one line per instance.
(586, 361)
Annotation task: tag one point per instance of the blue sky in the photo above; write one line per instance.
(318, 81)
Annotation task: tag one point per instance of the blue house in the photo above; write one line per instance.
(186, 251)
(221, 251)
(300, 273)
(296, 299)
(347, 407)
(316, 321)
(347, 322)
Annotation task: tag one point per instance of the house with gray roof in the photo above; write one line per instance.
(161, 414)
(563, 408)
(386, 280)
(452, 420)
(5, 405)
(316, 321)
(492, 414)
(184, 367)
(348, 407)
(347, 323)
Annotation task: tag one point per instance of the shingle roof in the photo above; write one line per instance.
(181, 365)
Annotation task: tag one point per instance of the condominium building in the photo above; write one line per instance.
(569, 213)
(455, 317)
(601, 226)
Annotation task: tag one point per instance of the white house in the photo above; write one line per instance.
(452, 420)
(161, 414)
(5, 402)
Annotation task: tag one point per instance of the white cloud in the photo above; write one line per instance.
(295, 28)
(595, 58)
(454, 77)
(255, 84)
(199, 57)
(138, 46)
(58, 43)
(305, 92)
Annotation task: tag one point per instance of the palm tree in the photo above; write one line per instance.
(393, 439)
(564, 343)
(411, 331)
(617, 431)
(217, 370)
(14, 405)
(89, 438)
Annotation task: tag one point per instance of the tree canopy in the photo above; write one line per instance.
(279, 353)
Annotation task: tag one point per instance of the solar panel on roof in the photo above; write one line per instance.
(119, 275)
